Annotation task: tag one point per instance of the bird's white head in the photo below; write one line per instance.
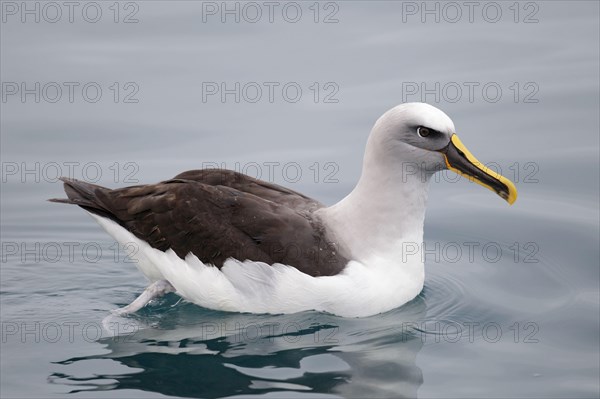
(417, 140)
(407, 145)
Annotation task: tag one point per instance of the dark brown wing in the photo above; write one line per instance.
(216, 215)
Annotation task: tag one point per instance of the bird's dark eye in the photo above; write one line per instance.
(423, 131)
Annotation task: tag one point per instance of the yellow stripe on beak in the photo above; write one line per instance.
(461, 161)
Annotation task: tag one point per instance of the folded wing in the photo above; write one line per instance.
(216, 215)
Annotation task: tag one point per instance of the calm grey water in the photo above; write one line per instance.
(511, 300)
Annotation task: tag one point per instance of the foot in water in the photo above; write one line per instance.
(154, 290)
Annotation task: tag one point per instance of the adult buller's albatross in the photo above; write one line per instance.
(226, 241)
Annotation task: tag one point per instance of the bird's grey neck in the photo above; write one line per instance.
(385, 209)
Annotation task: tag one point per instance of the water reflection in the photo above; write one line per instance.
(191, 352)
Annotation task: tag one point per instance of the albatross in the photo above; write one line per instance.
(227, 241)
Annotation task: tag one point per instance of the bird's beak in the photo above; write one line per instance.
(461, 161)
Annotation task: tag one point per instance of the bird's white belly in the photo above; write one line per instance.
(256, 287)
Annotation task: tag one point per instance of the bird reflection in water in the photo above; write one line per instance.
(188, 351)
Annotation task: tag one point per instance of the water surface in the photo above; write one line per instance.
(511, 300)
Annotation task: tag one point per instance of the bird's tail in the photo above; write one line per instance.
(86, 195)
